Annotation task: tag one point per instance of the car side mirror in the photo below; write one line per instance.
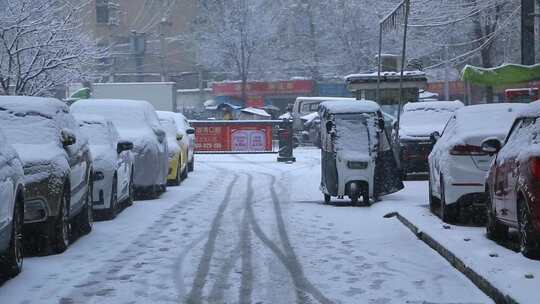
(160, 134)
(491, 146)
(124, 146)
(329, 127)
(190, 131)
(435, 136)
(68, 138)
(179, 136)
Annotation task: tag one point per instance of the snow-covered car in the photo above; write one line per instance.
(57, 168)
(418, 121)
(458, 165)
(113, 165)
(188, 135)
(306, 105)
(512, 186)
(137, 122)
(11, 210)
(312, 129)
(178, 150)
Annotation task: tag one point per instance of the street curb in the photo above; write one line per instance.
(481, 282)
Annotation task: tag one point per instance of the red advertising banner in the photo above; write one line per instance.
(233, 136)
(263, 88)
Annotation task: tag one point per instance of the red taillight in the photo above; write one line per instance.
(466, 150)
(534, 163)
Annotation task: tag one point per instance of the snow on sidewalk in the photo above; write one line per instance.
(506, 270)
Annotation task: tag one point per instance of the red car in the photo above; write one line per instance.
(513, 182)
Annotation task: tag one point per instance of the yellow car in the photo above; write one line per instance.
(178, 151)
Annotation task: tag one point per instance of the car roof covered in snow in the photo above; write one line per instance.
(179, 119)
(25, 104)
(487, 119)
(530, 110)
(90, 118)
(113, 103)
(450, 105)
(166, 115)
(317, 99)
(122, 112)
(349, 106)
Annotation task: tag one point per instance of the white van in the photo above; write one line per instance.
(307, 105)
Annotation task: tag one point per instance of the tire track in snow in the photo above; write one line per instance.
(195, 295)
(246, 283)
(289, 250)
(96, 283)
(216, 294)
(288, 258)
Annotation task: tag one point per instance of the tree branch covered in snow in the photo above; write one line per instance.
(322, 39)
(42, 46)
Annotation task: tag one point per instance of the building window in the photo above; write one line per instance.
(102, 11)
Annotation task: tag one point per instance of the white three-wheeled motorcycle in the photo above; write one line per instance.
(357, 158)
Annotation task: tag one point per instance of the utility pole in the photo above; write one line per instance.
(446, 74)
(138, 44)
(527, 32)
(163, 48)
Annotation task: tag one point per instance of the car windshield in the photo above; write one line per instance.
(308, 107)
(97, 133)
(423, 115)
(355, 132)
(122, 116)
(29, 128)
(169, 127)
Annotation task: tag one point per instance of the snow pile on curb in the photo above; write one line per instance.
(504, 275)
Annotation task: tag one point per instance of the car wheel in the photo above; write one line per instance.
(112, 212)
(494, 230)
(131, 197)
(354, 199)
(432, 206)
(448, 213)
(327, 199)
(13, 261)
(184, 173)
(528, 239)
(177, 179)
(191, 165)
(86, 217)
(365, 198)
(62, 226)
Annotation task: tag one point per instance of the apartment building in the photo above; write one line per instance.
(149, 40)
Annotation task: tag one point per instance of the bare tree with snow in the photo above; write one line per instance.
(42, 46)
(231, 35)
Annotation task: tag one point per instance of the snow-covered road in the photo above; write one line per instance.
(246, 229)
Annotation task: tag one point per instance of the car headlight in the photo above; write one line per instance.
(357, 165)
